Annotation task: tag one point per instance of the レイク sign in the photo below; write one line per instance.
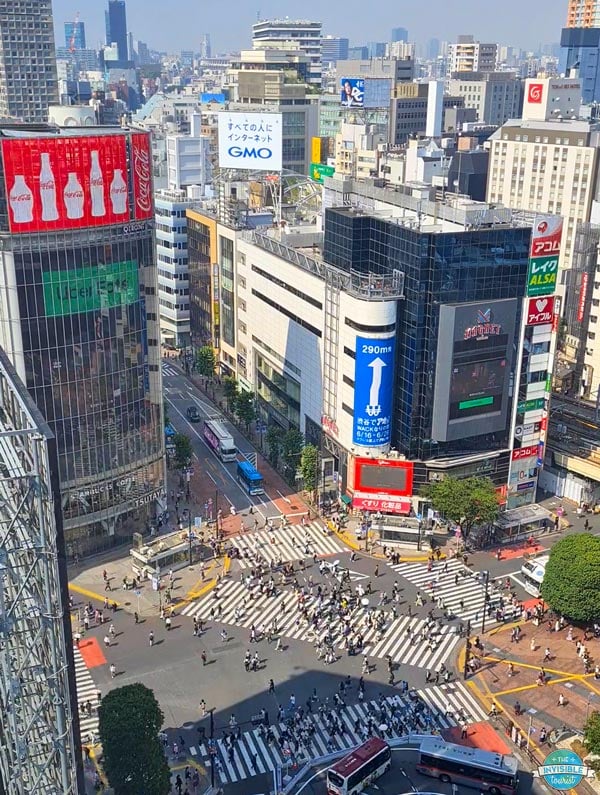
(544, 255)
(65, 182)
(540, 311)
(250, 141)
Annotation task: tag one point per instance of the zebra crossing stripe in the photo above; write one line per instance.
(290, 543)
(86, 691)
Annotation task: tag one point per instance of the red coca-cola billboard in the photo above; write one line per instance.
(66, 182)
(141, 155)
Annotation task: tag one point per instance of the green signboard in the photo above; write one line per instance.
(541, 276)
(530, 405)
(91, 288)
(318, 172)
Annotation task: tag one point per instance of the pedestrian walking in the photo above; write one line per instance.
(203, 657)
(561, 700)
(113, 670)
(136, 618)
(106, 640)
(271, 686)
(546, 654)
(168, 623)
(202, 707)
(224, 635)
(151, 638)
(111, 630)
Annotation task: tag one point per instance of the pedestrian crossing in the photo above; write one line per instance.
(315, 735)
(452, 585)
(86, 691)
(405, 638)
(168, 369)
(292, 542)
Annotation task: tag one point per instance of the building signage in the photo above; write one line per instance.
(544, 255)
(524, 452)
(542, 274)
(484, 327)
(540, 311)
(582, 297)
(391, 476)
(66, 182)
(318, 172)
(526, 486)
(373, 378)
(535, 92)
(141, 156)
(329, 425)
(90, 288)
(531, 405)
(251, 141)
(385, 503)
(352, 92)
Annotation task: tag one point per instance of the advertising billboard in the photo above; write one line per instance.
(383, 476)
(352, 92)
(250, 141)
(207, 97)
(90, 288)
(66, 182)
(373, 388)
(582, 297)
(544, 255)
(540, 311)
(141, 156)
(318, 172)
(378, 92)
(474, 364)
(385, 503)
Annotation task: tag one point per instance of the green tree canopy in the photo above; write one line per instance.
(466, 501)
(571, 583)
(274, 440)
(166, 412)
(591, 736)
(230, 390)
(206, 361)
(244, 407)
(309, 463)
(291, 449)
(183, 450)
(129, 722)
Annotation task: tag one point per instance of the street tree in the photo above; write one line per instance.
(183, 450)
(274, 440)
(166, 412)
(130, 720)
(206, 361)
(291, 450)
(309, 467)
(245, 407)
(466, 501)
(571, 584)
(231, 391)
(591, 734)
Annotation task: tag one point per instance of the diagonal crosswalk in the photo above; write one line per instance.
(314, 734)
(455, 586)
(406, 639)
(86, 691)
(292, 542)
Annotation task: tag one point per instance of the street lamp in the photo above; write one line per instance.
(190, 533)
(468, 651)
(587, 706)
(485, 600)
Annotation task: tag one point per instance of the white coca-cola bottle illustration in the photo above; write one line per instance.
(97, 187)
(48, 190)
(118, 193)
(20, 199)
(73, 196)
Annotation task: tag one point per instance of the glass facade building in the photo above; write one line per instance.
(440, 268)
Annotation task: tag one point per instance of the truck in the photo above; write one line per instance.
(532, 572)
(220, 441)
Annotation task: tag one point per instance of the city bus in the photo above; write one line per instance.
(486, 771)
(220, 441)
(532, 572)
(359, 768)
(250, 478)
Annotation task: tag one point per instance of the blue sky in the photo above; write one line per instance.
(177, 24)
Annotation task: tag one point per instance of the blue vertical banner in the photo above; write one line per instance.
(373, 390)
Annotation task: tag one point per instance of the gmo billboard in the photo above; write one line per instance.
(474, 364)
(250, 141)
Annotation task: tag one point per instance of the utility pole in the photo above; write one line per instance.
(468, 651)
(213, 750)
(190, 533)
(486, 597)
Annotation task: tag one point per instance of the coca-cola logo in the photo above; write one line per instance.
(97, 182)
(47, 184)
(143, 173)
(21, 197)
(73, 194)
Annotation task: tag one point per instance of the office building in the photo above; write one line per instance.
(583, 14)
(28, 79)
(75, 35)
(399, 34)
(409, 112)
(496, 96)
(580, 47)
(80, 318)
(188, 158)
(375, 49)
(333, 49)
(116, 28)
(360, 53)
(306, 34)
(468, 55)
(77, 61)
(205, 48)
(204, 279)
(41, 748)
(357, 150)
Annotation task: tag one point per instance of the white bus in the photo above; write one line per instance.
(486, 771)
(532, 574)
(220, 441)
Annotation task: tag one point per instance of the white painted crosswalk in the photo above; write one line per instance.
(315, 735)
(292, 542)
(169, 370)
(406, 639)
(450, 584)
(86, 692)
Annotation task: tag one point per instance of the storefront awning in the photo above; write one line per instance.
(346, 499)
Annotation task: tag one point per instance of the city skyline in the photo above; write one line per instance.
(338, 20)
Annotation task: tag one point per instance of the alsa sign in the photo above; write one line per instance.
(540, 311)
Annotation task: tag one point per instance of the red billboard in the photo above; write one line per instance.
(535, 92)
(66, 182)
(582, 297)
(524, 452)
(546, 236)
(385, 503)
(540, 311)
(383, 476)
(141, 156)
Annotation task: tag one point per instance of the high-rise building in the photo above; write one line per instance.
(28, 79)
(116, 28)
(205, 49)
(80, 318)
(399, 34)
(75, 35)
(496, 96)
(306, 34)
(583, 14)
(334, 49)
(468, 55)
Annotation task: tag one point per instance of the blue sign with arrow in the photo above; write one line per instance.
(373, 390)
